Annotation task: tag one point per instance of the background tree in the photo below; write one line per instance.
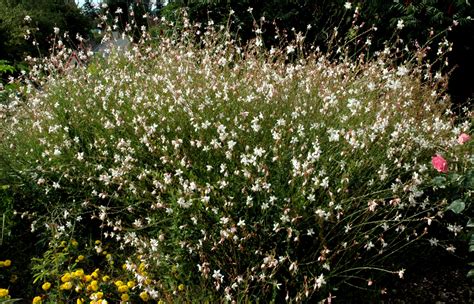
(45, 16)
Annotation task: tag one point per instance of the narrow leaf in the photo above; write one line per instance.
(470, 223)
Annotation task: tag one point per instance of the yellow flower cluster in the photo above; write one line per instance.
(6, 263)
(4, 291)
(98, 286)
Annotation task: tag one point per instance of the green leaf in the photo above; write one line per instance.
(439, 181)
(470, 223)
(457, 206)
(454, 177)
(9, 301)
(469, 180)
(471, 248)
(470, 274)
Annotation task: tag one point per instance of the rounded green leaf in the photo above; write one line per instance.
(439, 181)
(457, 206)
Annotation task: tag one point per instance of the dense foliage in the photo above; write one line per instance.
(194, 168)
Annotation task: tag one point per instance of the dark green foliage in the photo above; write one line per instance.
(45, 15)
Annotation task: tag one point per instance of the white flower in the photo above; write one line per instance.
(348, 5)
(27, 18)
(56, 30)
(434, 241)
(320, 281)
(400, 24)
(402, 71)
(218, 276)
(290, 49)
(80, 156)
(400, 273)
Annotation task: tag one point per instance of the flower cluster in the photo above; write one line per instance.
(4, 292)
(107, 284)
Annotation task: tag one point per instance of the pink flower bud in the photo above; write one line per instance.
(463, 138)
(439, 163)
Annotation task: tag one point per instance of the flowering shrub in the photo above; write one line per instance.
(226, 172)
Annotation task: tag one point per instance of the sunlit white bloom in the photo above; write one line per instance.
(319, 282)
(400, 24)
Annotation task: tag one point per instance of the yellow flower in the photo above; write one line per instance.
(98, 242)
(3, 292)
(99, 295)
(131, 284)
(66, 278)
(122, 288)
(78, 288)
(105, 278)
(7, 263)
(66, 286)
(87, 278)
(74, 243)
(181, 287)
(78, 273)
(161, 302)
(80, 258)
(46, 286)
(94, 286)
(144, 296)
(118, 283)
(125, 297)
(36, 300)
(80, 301)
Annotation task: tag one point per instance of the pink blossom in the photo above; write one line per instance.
(463, 138)
(439, 163)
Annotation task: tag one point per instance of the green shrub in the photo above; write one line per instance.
(227, 172)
